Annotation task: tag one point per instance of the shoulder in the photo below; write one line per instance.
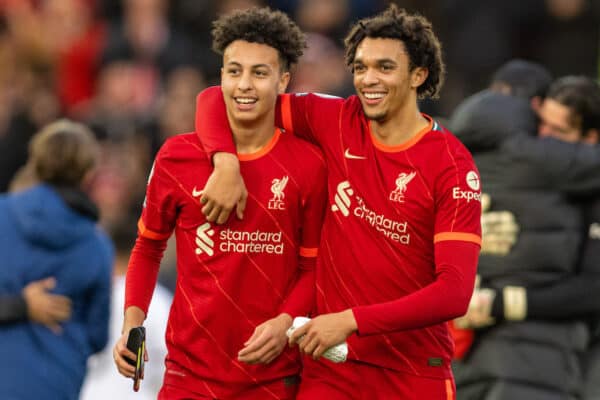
(182, 147)
(320, 103)
(309, 153)
(446, 142)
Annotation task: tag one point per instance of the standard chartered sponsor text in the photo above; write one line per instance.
(392, 229)
(250, 242)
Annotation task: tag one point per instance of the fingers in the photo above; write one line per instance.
(256, 348)
(486, 202)
(263, 354)
(215, 212)
(208, 209)
(255, 344)
(311, 346)
(223, 215)
(49, 283)
(55, 328)
(264, 346)
(120, 351)
(298, 334)
(255, 334)
(61, 308)
(241, 205)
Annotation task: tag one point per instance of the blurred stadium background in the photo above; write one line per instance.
(131, 69)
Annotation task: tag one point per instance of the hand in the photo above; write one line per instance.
(120, 351)
(323, 332)
(224, 190)
(267, 341)
(499, 230)
(479, 312)
(44, 307)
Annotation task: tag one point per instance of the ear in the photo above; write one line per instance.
(284, 80)
(418, 76)
(592, 136)
(536, 103)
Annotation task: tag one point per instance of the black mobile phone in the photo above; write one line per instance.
(136, 343)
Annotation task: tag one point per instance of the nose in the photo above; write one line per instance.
(370, 77)
(245, 82)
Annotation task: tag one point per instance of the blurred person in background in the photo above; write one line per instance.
(63, 38)
(152, 47)
(49, 229)
(119, 183)
(239, 284)
(176, 106)
(101, 381)
(529, 306)
(323, 55)
(571, 113)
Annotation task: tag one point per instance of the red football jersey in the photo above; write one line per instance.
(402, 231)
(233, 277)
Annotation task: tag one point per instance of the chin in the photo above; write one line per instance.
(244, 116)
(376, 116)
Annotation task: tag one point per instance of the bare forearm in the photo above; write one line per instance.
(134, 316)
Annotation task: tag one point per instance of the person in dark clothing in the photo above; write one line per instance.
(522, 78)
(528, 346)
(571, 113)
(49, 229)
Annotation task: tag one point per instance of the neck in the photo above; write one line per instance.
(399, 128)
(251, 136)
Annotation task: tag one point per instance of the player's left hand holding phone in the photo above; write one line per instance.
(130, 355)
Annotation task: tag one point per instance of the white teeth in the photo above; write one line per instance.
(372, 96)
(244, 100)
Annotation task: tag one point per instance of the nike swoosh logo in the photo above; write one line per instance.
(352, 156)
(196, 192)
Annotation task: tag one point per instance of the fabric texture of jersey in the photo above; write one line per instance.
(399, 243)
(235, 276)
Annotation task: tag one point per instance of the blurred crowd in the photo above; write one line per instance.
(130, 69)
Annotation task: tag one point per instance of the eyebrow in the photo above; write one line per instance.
(378, 61)
(237, 64)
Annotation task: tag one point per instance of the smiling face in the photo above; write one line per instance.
(382, 78)
(251, 79)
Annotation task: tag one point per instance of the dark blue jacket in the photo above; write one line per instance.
(40, 236)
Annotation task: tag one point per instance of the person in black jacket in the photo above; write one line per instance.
(571, 113)
(520, 352)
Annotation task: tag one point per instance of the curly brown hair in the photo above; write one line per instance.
(415, 31)
(261, 25)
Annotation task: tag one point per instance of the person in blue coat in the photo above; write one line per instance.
(50, 230)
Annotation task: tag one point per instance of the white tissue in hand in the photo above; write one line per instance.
(337, 353)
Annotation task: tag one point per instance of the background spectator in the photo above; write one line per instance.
(50, 229)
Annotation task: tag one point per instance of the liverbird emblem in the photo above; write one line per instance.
(401, 182)
(277, 187)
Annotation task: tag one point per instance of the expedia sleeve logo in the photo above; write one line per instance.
(474, 183)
